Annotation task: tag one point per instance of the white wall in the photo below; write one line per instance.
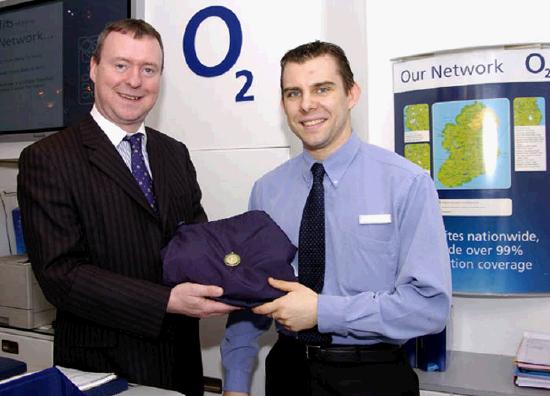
(226, 137)
(397, 28)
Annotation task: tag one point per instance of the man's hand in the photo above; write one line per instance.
(234, 394)
(190, 299)
(296, 311)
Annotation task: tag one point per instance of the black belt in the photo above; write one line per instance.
(376, 353)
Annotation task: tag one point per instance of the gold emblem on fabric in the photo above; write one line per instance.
(232, 259)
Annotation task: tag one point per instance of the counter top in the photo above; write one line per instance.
(476, 374)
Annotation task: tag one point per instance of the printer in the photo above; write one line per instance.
(22, 303)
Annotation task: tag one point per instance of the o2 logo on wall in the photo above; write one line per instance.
(233, 53)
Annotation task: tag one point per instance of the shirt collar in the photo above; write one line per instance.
(113, 131)
(337, 163)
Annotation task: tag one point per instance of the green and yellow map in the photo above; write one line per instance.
(527, 112)
(417, 117)
(419, 154)
(470, 137)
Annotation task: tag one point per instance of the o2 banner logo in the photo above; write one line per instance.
(234, 51)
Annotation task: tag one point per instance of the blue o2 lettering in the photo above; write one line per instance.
(535, 63)
(241, 97)
(235, 44)
(235, 41)
(529, 63)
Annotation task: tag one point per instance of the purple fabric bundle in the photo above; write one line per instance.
(238, 253)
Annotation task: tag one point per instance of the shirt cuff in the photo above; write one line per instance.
(331, 314)
(237, 381)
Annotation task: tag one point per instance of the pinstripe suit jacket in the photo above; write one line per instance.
(95, 244)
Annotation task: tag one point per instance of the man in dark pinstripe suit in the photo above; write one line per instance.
(94, 240)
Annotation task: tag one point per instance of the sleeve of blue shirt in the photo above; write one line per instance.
(239, 348)
(420, 301)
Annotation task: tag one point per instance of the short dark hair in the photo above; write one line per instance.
(138, 27)
(315, 49)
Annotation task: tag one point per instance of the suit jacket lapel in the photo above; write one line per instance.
(104, 156)
(160, 168)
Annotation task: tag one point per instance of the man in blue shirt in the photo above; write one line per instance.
(384, 253)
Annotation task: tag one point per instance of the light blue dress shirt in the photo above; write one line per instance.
(387, 276)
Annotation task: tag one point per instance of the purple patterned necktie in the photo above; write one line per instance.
(311, 248)
(139, 170)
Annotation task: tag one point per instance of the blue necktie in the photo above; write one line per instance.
(311, 248)
(139, 170)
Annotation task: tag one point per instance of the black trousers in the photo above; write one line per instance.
(289, 372)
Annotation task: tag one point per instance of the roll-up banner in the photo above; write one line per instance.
(475, 119)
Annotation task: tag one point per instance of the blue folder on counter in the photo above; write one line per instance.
(49, 382)
(11, 367)
(52, 382)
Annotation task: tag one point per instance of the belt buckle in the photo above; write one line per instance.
(311, 347)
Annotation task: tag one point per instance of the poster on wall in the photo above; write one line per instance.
(476, 120)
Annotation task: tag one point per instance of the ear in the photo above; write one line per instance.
(93, 65)
(353, 95)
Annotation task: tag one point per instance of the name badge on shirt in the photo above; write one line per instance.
(384, 218)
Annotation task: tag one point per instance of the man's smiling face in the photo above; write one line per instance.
(317, 105)
(127, 78)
